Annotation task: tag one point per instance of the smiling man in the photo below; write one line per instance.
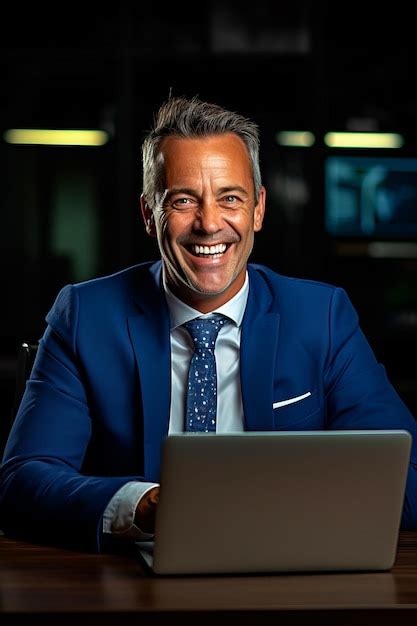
(199, 340)
(205, 217)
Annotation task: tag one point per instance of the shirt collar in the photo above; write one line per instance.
(180, 312)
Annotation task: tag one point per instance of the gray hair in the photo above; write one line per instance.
(184, 117)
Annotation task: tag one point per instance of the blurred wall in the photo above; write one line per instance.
(69, 214)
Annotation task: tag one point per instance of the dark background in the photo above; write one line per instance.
(69, 214)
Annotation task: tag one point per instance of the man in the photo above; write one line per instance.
(109, 382)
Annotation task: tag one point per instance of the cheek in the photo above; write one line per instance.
(169, 232)
(243, 224)
(177, 226)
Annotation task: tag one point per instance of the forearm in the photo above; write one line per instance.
(42, 500)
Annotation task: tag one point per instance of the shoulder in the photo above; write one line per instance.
(120, 280)
(279, 284)
(304, 302)
(98, 306)
(106, 291)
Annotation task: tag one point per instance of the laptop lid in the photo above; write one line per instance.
(282, 501)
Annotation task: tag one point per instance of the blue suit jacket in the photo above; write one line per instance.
(96, 408)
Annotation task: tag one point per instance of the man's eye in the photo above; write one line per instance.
(180, 203)
(229, 199)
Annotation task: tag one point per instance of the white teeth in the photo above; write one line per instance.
(219, 249)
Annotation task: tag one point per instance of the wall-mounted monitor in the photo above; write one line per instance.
(371, 197)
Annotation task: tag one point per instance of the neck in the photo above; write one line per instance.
(203, 302)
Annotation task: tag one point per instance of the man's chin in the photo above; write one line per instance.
(206, 291)
(187, 288)
(208, 287)
(186, 285)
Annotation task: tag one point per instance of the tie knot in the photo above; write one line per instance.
(204, 331)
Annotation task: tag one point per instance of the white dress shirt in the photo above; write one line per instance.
(119, 514)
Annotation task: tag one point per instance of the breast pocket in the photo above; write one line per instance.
(298, 413)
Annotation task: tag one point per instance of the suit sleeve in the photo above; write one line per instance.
(359, 394)
(43, 494)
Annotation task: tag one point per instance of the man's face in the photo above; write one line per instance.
(206, 217)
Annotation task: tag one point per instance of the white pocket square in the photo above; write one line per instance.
(277, 405)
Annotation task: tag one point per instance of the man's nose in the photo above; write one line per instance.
(208, 217)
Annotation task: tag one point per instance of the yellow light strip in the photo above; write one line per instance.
(363, 140)
(49, 137)
(296, 138)
(384, 249)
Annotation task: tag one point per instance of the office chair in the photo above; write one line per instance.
(25, 359)
(26, 356)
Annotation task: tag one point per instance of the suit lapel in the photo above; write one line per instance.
(258, 351)
(150, 336)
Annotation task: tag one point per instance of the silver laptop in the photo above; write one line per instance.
(295, 501)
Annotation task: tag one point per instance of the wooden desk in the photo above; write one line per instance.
(48, 586)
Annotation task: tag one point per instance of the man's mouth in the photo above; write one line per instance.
(213, 252)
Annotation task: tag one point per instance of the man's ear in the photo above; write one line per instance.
(259, 213)
(148, 218)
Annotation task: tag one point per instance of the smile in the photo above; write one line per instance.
(208, 251)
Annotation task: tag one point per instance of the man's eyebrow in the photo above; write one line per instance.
(230, 189)
(193, 192)
(186, 190)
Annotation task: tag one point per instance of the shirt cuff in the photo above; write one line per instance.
(119, 515)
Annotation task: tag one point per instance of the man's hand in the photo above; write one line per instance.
(146, 511)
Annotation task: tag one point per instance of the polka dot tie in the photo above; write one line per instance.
(201, 405)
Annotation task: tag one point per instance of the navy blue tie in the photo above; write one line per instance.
(201, 405)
